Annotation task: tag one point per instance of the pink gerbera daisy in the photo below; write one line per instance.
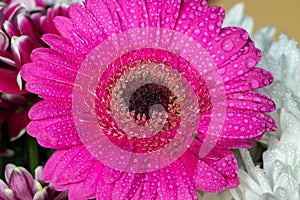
(143, 99)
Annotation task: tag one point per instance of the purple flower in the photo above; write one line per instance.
(22, 25)
(14, 114)
(22, 186)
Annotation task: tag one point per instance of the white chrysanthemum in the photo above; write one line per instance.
(235, 17)
(278, 180)
(282, 59)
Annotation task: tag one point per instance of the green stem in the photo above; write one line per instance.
(33, 154)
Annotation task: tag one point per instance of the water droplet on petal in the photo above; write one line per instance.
(227, 45)
(245, 36)
(211, 27)
(254, 84)
(250, 62)
(258, 53)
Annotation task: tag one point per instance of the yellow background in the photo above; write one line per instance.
(284, 14)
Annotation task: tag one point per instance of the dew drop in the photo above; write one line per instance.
(245, 36)
(211, 27)
(227, 45)
(258, 53)
(254, 84)
(250, 62)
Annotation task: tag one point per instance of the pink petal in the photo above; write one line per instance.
(61, 45)
(186, 189)
(150, 184)
(228, 45)
(104, 191)
(241, 63)
(50, 166)
(87, 27)
(242, 124)
(250, 101)
(253, 79)
(17, 123)
(193, 12)
(50, 89)
(127, 186)
(110, 175)
(87, 188)
(68, 167)
(270, 123)
(58, 132)
(53, 60)
(37, 73)
(50, 109)
(135, 13)
(167, 187)
(208, 179)
(64, 26)
(106, 14)
(226, 164)
(169, 12)
(226, 143)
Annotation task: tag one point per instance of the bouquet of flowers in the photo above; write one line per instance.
(145, 99)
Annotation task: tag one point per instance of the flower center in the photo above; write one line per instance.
(147, 96)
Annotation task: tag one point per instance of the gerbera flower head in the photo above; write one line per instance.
(143, 99)
(22, 24)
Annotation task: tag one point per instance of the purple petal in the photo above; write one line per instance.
(8, 82)
(41, 195)
(17, 123)
(3, 187)
(39, 174)
(22, 183)
(7, 58)
(47, 23)
(11, 29)
(8, 170)
(21, 48)
(7, 194)
(30, 5)
(27, 27)
(4, 41)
